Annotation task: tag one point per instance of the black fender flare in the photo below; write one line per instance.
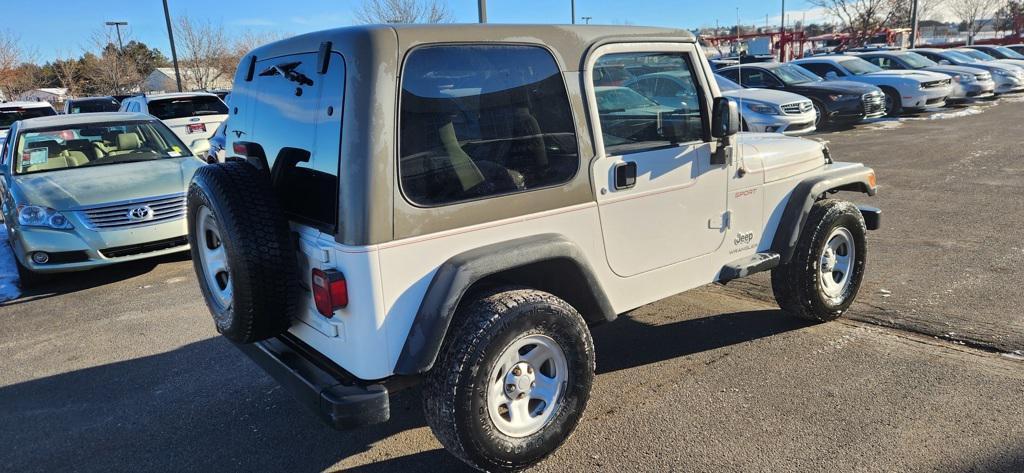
(836, 177)
(458, 274)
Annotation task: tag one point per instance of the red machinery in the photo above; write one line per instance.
(785, 46)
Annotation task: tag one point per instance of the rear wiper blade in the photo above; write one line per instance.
(288, 71)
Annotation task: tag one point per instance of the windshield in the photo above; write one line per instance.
(10, 115)
(917, 61)
(792, 74)
(67, 147)
(859, 67)
(620, 99)
(958, 57)
(726, 84)
(184, 107)
(1009, 53)
(974, 53)
(93, 105)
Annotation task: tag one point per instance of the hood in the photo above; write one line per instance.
(923, 76)
(87, 186)
(783, 156)
(775, 97)
(1012, 62)
(834, 87)
(955, 70)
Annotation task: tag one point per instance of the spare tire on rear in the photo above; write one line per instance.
(242, 251)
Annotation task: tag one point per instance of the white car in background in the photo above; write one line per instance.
(982, 55)
(1008, 78)
(11, 112)
(904, 90)
(770, 111)
(193, 116)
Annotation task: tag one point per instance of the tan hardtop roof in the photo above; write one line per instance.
(568, 41)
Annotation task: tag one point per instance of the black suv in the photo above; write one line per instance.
(836, 101)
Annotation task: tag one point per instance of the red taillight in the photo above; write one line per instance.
(330, 291)
(240, 149)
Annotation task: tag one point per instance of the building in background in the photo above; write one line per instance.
(56, 96)
(162, 80)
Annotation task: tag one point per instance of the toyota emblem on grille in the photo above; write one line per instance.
(139, 214)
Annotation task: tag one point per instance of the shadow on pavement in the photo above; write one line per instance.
(68, 283)
(205, 407)
(628, 343)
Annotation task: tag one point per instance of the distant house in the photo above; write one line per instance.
(162, 80)
(56, 96)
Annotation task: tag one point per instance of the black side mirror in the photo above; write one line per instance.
(725, 118)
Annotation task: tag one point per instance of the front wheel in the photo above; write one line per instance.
(821, 280)
(893, 104)
(512, 381)
(820, 118)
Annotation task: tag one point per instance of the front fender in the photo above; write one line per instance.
(837, 176)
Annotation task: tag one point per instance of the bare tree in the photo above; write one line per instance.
(202, 47)
(109, 71)
(404, 11)
(68, 72)
(861, 18)
(901, 11)
(242, 45)
(973, 12)
(17, 75)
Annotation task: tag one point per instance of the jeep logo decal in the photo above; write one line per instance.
(743, 238)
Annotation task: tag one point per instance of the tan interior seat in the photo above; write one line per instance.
(57, 158)
(126, 143)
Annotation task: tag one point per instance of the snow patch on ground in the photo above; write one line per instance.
(8, 270)
(966, 112)
(882, 124)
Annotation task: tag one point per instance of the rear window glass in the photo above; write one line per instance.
(10, 115)
(480, 121)
(184, 107)
(93, 106)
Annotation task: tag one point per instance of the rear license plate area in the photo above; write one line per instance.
(197, 128)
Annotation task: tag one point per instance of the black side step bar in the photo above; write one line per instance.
(752, 264)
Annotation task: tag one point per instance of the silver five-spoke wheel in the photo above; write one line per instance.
(213, 258)
(836, 263)
(526, 385)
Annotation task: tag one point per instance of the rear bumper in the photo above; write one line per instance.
(333, 396)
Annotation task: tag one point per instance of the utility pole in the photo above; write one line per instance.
(573, 11)
(782, 35)
(174, 51)
(120, 51)
(481, 9)
(913, 24)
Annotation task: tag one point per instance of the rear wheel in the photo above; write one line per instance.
(512, 381)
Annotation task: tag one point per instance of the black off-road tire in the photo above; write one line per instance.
(796, 284)
(455, 389)
(260, 252)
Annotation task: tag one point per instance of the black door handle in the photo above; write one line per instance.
(625, 175)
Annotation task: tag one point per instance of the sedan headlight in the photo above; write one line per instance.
(762, 108)
(1004, 73)
(964, 77)
(36, 216)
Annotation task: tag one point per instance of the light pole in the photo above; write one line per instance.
(573, 11)
(117, 57)
(587, 19)
(481, 8)
(913, 24)
(782, 37)
(174, 52)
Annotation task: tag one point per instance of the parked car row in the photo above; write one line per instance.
(906, 81)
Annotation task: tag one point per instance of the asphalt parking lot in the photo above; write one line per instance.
(119, 369)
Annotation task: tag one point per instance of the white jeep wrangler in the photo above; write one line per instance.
(456, 205)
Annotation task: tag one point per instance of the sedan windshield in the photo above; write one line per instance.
(859, 67)
(184, 107)
(613, 99)
(726, 84)
(792, 74)
(1009, 53)
(959, 57)
(67, 147)
(10, 115)
(974, 53)
(917, 61)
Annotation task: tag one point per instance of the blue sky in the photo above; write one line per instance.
(63, 27)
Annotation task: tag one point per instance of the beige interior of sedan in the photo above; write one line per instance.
(75, 153)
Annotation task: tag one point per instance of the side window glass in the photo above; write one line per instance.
(818, 68)
(480, 121)
(643, 118)
(754, 78)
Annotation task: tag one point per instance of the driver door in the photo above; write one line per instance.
(660, 199)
